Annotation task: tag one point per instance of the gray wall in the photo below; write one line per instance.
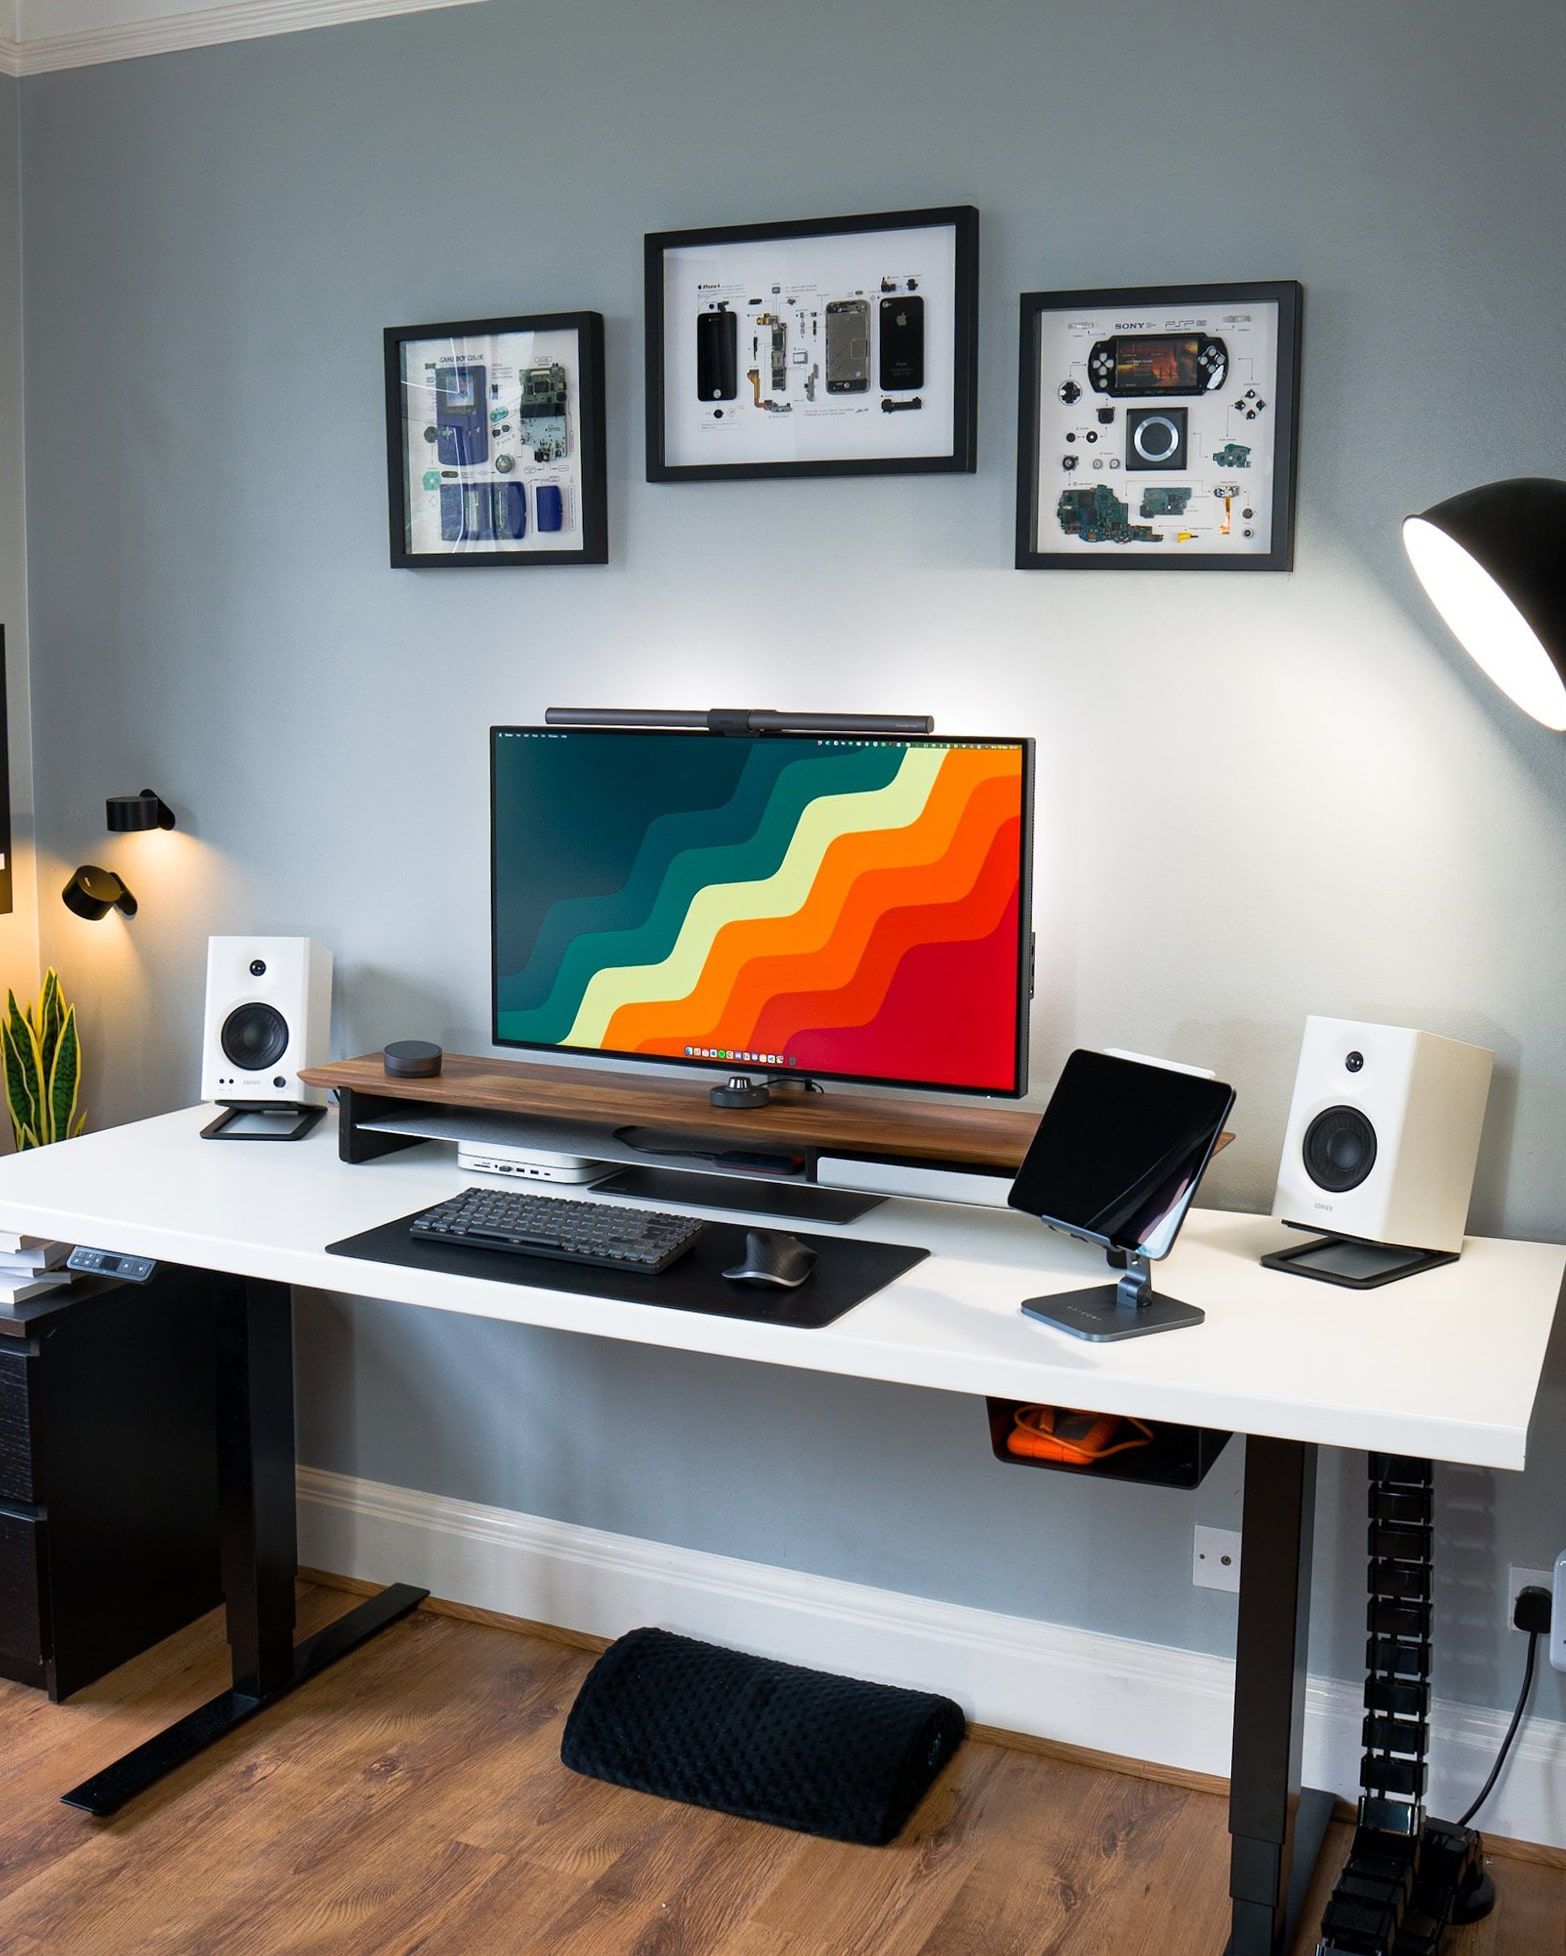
(19, 930)
(1259, 795)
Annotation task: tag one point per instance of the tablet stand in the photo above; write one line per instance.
(1107, 1312)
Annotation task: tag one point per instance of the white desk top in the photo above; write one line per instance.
(1445, 1365)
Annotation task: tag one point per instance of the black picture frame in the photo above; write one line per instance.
(590, 479)
(962, 458)
(1174, 303)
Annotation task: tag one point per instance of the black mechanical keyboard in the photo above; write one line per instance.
(600, 1233)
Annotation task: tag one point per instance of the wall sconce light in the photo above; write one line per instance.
(93, 892)
(1490, 561)
(129, 813)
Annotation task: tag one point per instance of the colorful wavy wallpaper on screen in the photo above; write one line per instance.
(837, 908)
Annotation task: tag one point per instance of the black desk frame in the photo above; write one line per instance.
(259, 1547)
(1276, 1828)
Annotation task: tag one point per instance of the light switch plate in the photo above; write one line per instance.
(1215, 1559)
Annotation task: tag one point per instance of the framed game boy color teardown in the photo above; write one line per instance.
(1158, 429)
(495, 442)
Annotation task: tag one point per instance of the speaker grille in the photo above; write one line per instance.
(1340, 1149)
(254, 1037)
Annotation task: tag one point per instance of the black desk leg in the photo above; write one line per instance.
(257, 1527)
(258, 1546)
(1276, 1828)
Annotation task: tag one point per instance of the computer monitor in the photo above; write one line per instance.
(1116, 1160)
(791, 904)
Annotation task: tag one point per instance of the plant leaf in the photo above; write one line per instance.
(17, 1104)
(38, 1081)
(64, 1077)
(51, 1013)
(23, 1095)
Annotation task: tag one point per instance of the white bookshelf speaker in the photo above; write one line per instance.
(1383, 1134)
(269, 1012)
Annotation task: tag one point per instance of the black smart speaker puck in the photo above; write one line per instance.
(412, 1059)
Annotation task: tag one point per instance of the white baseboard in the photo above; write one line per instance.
(1080, 1687)
(192, 26)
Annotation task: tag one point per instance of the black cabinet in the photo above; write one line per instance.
(108, 1476)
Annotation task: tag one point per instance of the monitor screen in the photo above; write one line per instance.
(1120, 1150)
(852, 909)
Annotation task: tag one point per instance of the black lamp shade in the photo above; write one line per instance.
(128, 813)
(93, 892)
(1493, 561)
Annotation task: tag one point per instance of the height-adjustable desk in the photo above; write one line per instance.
(1445, 1366)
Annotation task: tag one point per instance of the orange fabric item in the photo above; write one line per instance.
(1073, 1439)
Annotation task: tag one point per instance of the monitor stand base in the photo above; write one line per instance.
(740, 1091)
(1108, 1312)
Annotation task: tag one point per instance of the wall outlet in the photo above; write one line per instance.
(1558, 1615)
(1517, 1580)
(1215, 1559)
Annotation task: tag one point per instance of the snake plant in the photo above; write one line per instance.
(42, 1058)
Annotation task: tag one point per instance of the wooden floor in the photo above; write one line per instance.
(412, 1800)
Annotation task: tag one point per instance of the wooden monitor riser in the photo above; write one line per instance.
(899, 1127)
(979, 1135)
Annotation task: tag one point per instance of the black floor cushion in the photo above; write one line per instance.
(768, 1741)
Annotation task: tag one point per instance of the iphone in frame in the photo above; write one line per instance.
(495, 442)
(827, 346)
(1157, 428)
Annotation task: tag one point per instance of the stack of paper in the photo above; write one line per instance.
(30, 1266)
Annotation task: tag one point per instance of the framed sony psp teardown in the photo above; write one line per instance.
(830, 346)
(1158, 429)
(495, 442)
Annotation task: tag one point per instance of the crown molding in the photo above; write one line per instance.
(203, 26)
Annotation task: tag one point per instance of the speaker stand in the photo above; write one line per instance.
(1354, 1263)
(262, 1120)
(1108, 1312)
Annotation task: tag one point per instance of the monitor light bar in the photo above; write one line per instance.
(743, 720)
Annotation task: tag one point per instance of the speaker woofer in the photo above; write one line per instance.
(254, 1037)
(1340, 1149)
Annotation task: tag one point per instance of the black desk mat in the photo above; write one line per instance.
(846, 1273)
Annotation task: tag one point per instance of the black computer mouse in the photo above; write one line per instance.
(773, 1258)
